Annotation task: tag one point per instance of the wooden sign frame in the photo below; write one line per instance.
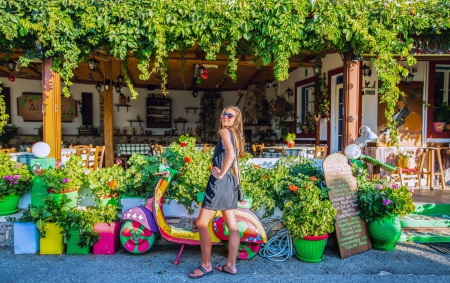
(29, 107)
(351, 230)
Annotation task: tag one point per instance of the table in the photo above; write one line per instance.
(130, 148)
(22, 157)
(301, 151)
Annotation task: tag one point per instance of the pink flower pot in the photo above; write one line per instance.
(109, 238)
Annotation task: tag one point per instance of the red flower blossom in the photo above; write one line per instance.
(210, 167)
(256, 166)
(293, 188)
(266, 176)
(313, 178)
(188, 159)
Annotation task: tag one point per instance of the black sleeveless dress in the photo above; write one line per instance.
(221, 194)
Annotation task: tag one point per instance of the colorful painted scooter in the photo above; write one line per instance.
(137, 234)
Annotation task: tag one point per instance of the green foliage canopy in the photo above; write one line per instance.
(273, 30)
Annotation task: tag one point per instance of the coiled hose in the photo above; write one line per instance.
(280, 247)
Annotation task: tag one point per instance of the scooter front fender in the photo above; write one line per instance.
(250, 228)
(143, 216)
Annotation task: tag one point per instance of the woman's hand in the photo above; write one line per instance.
(216, 173)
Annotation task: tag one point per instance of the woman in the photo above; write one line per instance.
(221, 193)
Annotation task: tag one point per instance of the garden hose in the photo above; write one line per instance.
(280, 247)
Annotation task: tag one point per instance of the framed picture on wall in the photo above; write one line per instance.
(29, 106)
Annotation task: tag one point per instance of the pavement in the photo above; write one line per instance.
(408, 263)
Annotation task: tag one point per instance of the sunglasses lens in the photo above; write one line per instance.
(229, 115)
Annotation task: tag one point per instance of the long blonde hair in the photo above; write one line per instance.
(237, 128)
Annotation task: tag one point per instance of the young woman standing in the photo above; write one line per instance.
(221, 193)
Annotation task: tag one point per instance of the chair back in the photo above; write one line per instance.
(80, 146)
(8, 150)
(320, 152)
(84, 152)
(98, 158)
(157, 149)
(256, 149)
(272, 152)
(207, 146)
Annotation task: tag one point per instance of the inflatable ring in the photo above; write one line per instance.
(136, 238)
(246, 250)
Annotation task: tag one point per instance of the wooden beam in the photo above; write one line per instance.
(51, 101)
(108, 122)
(352, 99)
(252, 78)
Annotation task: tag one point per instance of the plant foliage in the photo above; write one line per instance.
(15, 177)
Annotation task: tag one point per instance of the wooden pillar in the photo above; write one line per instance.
(352, 99)
(51, 108)
(108, 118)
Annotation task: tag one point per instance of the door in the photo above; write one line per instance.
(338, 110)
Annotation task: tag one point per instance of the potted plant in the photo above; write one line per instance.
(26, 237)
(107, 225)
(140, 180)
(290, 138)
(308, 215)
(406, 159)
(105, 183)
(441, 116)
(381, 204)
(46, 216)
(15, 178)
(66, 179)
(183, 139)
(78, 226)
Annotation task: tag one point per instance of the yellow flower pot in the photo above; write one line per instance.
(53, 242)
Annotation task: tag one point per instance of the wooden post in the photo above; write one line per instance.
(352, 99)
(51, 108)
(108, 119)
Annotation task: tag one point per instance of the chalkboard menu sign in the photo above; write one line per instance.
(351, 230)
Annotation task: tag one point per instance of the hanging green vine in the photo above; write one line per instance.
(272, 30)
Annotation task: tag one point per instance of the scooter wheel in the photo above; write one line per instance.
(246, 250)
(136, 238)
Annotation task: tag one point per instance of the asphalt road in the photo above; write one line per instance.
(409, 263)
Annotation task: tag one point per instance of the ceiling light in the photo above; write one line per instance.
(98, 86)
(11, 64)
(93, 64)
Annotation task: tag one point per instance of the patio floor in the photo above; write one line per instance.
(436, 195)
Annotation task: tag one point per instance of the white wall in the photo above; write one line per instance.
(180, 100)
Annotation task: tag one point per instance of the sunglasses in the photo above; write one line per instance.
(228, 115)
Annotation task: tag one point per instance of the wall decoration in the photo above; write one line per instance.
(29, 106)
(408, 114)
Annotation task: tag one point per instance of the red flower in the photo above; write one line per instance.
(293, 188)
(183, 144)
(266, 176)
(256, 166)
(210, 167)
(313, 178)
(39, 173)
(188, 159)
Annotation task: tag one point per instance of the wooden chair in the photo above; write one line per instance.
(207, 146)
(98, 158)
(8, 150)
(320, 152)
(84, 152)
(272, 151)
(80, 146)
(256, 149)
(157, 149)
(408, 175)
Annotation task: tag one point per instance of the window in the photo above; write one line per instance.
(305, 109)
(442, 84)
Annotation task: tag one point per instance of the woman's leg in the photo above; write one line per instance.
(202, 222)
(233, 241)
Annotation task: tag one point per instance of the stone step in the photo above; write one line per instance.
(424, 235)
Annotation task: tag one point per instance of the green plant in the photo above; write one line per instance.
(25, 217)
(50, 211)
(71, 175)
(140, 178)
(378, 199)
(81, 221)
(290, 137)
(306, 212)
(194, 167)
(105, 214)
(108, 181)
(441, 112)
(15, 177)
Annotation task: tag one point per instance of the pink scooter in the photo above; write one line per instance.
(137, 235)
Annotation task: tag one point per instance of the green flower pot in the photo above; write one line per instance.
(72, 195)
(385, 233)
(104, 201)
(9, 205)
(310, 249)
(72, 244)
